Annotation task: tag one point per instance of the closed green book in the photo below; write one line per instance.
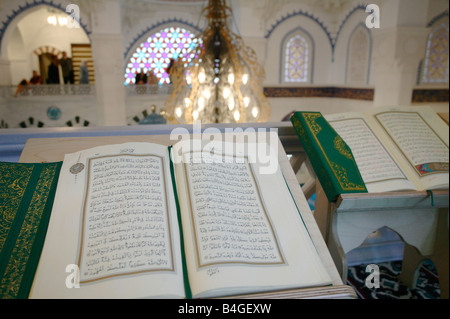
(330, 156)
(26, 198)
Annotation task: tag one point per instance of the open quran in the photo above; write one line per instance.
(380, 150)
(397, 148)
(194, 220)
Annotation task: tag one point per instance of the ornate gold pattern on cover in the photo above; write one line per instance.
(22, 205)
(311, 121)
(341, 174)
(13, 182)
(298, 126)
(339, 171)
(342, 148)
(329, 155)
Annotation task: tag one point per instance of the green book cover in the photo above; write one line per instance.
(330, 156)
(26, 197)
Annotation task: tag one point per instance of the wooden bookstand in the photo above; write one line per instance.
(420, 218)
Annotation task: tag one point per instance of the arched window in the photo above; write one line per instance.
(297, 58)
(154, 55)
(358, 59)
(435, 69)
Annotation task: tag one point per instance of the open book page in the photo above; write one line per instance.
(379, 169)
(419, 138)
(115, 219)
(242, 230)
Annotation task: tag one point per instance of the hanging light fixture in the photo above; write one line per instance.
(223, 81)
(56, 19)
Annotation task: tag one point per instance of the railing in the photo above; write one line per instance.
(13, 140)
(8, 91)
(149, 89)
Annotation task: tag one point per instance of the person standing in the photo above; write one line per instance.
(67, 68)
(84, 73)
(53, 74)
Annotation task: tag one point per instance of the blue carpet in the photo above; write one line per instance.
(427, 286)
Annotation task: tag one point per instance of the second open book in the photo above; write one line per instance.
(207, 221)
(397, 148)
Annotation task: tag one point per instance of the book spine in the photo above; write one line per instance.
(187, 287)
(330, 156)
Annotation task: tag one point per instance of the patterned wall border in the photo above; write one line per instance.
(331, 92)
(430, 95)
(437, 18)
(34, 3)
(332, 40)
(28, 5)
(344, 21)
(298, 13)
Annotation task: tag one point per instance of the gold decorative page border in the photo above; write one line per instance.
(172, 269)
(400, 149)
(382, 145)
(20, 255)
(339, 172)
(265, 214)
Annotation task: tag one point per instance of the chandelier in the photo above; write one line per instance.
(55, 19)
(222, 83)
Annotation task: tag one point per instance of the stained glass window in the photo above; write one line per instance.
(154, 55)
(296, 59)
(436, 58)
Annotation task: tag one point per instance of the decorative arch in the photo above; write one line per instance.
(48, 49)
(299, 13)
(437, 18)
(22, 8)
(332, 40)
(359, 55)
(360, 7)
(144, 34)
(156, 50)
